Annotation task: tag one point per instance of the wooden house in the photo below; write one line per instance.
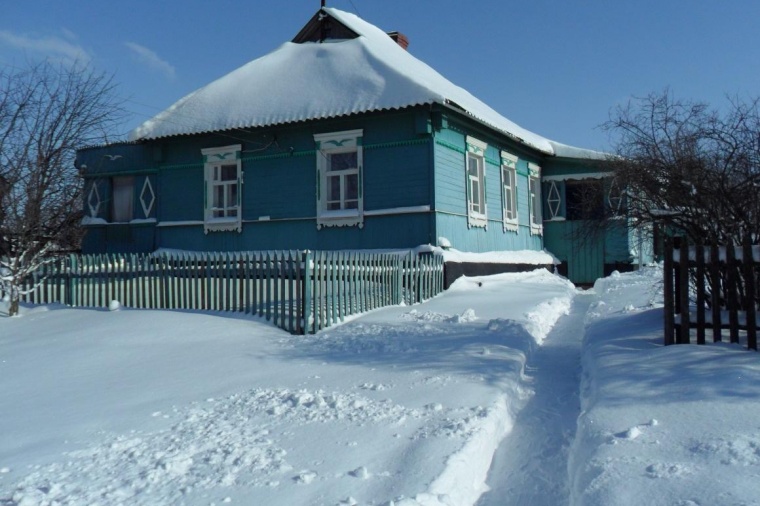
(340, 139)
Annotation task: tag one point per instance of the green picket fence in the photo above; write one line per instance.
(299, 291)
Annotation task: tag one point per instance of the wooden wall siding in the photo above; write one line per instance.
(451, 198)
(618, 243)
(180, 194)
(115, 158)
(397, 176)
(280, 184)
(454, 228)
(128, 238)
(280, 188)
(298, 291)
(390, 231)
(584, 257)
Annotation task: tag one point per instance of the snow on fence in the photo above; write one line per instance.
(299, 291)
(711, 288)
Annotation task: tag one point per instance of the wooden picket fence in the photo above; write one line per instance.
(299, 291)
(711, 287)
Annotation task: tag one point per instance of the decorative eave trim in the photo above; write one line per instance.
(476, 146)
(579, 176)
(339, 140)
(509, 160)
(221, 153)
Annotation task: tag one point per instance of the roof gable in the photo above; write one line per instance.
(321, 27)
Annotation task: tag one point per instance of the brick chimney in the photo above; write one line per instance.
(400, 39)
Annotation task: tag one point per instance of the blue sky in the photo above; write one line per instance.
(554, 67)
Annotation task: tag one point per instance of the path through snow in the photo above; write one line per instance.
(530, 466)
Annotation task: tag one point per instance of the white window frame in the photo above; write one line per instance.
(477, 212)
(213, 161)
(122, 199)
(509, 213)
(348, 141)
(554, 202)
(534, 191)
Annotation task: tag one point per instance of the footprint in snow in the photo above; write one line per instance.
(360, 472)
(635, 431)
(305, 477)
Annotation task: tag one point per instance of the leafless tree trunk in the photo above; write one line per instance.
(46, 113)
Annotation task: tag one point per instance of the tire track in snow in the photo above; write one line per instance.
(530, 466)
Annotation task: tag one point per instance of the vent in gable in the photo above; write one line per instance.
(323, 27)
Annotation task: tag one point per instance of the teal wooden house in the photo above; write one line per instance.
(339, 139)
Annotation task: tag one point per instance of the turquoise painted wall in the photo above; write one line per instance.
(451, 198)
(412, 158)
(587, 257)
(379, 232)
(279, 190)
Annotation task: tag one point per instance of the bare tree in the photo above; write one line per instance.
(46, 113)
(690, 170)
(689, 167)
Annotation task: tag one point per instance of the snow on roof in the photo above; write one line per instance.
(306, 81)
(566, 151)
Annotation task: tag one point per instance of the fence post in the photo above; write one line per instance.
(749, 292)
(700, 288)
(71, 283)
(669, 308)
(305, 282)
(715, 291)
(732, 295)
(683, 291)
(399, 281)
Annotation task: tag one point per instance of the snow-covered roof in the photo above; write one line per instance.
(312, 80)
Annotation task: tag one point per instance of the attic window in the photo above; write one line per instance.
(323, 27)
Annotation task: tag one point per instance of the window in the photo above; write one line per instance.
(585, 199)
(122, 198)
(476, 183)
(616, 199)
(339, 179)
(534, 188)
(223, 180)
(509, 191)
(553, 201)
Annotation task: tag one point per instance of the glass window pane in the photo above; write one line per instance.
(218, 197)
(333, 188)
(343, 161)
(475, 186)
(122, 199)
(472, 165)
(352, 187)
(229, 172)
(231, 195)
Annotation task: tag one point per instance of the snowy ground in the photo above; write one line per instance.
(401, 406)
